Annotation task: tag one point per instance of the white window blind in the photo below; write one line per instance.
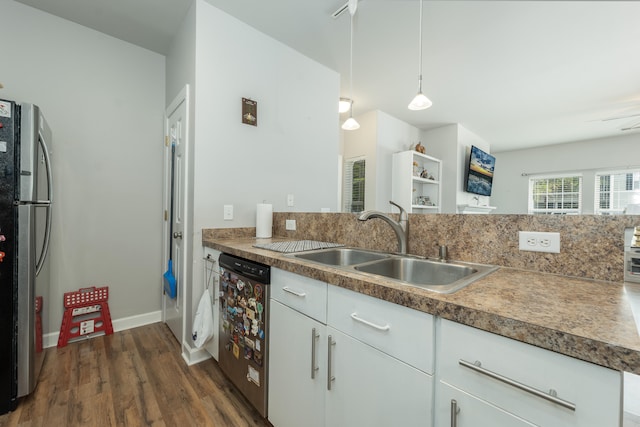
(616, 191)
(555, 195)
(353, 185)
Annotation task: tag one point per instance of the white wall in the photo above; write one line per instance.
(510, 187)
(394, 136)
(104, 101)
(294, 148)
(380, 135)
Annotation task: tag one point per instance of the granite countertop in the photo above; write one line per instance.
(586, 319)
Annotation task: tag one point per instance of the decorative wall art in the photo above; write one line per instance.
(249, 112)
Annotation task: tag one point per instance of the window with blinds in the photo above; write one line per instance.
(555, 195)
(616, 191)
(353, 185)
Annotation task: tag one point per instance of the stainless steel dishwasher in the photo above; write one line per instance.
(244, 329)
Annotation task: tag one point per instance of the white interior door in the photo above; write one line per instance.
(176, 140)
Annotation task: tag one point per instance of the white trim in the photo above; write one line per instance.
(51, 339)
(194, 355)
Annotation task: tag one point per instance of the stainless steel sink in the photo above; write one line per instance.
(341, 256)
(436, 276)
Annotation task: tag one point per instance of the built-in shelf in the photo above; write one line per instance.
(475, 209)
(409, 189)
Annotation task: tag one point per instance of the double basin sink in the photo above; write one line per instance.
(437, 276)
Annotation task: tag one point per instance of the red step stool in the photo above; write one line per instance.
(86, 314)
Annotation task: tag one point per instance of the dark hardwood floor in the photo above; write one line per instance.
(135, 377)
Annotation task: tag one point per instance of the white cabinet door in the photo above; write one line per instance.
(471, 411)
(295, 398)
(370, 388)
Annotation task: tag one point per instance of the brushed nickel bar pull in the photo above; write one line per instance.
(314, 337)
(355, 317)
(291, 291)
(477, 366)
(330, 377)
(454, 413)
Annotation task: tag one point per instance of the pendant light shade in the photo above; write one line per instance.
(351, 123)
(344, 105)
(420, 101)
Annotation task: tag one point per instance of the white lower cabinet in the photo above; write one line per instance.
(370, 388)
(341, 358)
(517, 379)
(347, 371)
(296, 390)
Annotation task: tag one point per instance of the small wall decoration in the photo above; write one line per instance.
(249, 112)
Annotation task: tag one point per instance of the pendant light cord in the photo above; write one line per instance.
(420, 53)
(351, 65)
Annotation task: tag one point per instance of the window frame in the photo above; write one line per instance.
(555, 211)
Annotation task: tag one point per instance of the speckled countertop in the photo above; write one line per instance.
(586, 319)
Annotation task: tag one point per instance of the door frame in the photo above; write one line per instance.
(181, 97)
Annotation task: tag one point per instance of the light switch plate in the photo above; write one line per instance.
(228, 212)
(536, 241)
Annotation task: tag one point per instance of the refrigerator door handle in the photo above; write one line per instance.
(47, 229)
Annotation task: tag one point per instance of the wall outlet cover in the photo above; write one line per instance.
(536, 241)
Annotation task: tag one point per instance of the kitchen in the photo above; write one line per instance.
(105, 99)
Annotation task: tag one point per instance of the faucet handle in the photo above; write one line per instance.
(403, 213)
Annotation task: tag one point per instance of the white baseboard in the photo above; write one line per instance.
(51, 339)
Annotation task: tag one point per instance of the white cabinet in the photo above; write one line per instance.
(297, 368)
(367, 387)
(530, 383)
(297, 355)
(339, 358)
(373, 347)
(415, 183)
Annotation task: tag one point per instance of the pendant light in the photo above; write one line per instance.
(420, 101)
(343, 105)
(351, 123)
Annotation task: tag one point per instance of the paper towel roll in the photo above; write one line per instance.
(264, 220)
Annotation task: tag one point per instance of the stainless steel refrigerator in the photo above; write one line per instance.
(25, 231)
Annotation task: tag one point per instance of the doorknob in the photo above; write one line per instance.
(177, 234)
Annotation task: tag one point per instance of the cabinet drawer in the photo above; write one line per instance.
(470, 411)
(308, 296)
(401, 332)
(594, 391)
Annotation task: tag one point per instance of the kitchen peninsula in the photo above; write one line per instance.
(587, 319)
(563, 324)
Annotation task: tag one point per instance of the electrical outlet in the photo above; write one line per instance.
(228, 212)
(290, 224)
(536, 241)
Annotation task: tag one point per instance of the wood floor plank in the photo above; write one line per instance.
(131, 378)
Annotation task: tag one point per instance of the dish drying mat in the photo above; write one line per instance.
(296, 246)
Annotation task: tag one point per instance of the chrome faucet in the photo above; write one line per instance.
(401, 227)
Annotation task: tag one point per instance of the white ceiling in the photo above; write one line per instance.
(517, 73)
